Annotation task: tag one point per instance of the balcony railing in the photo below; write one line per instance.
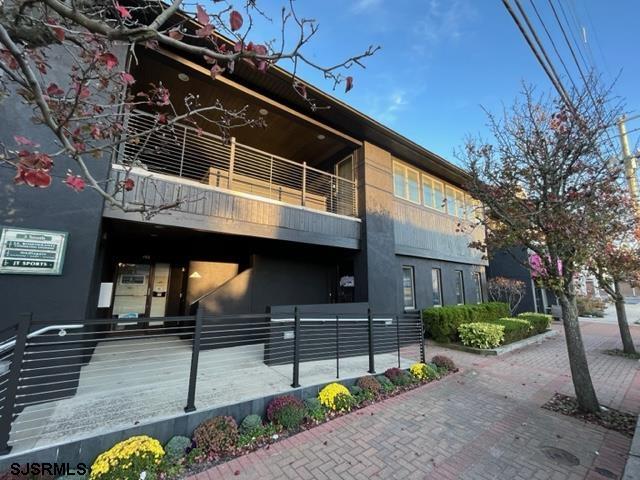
(185, 152)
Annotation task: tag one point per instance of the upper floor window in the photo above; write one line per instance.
(459, 287)
(456, 205)
(408, 292)
(433, 193)
(406, 182)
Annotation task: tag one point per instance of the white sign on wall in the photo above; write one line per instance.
(32, 252)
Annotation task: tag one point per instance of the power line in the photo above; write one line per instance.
(549, 71)
(575, 42)
(548, 67)
(597, 40)
(587, 85)
(582, 33)
(553, 44)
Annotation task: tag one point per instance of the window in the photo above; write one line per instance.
(413, 183)
(461, 210)
(477, 279)
(427, 191)
(433, 193)
(436, 287)
(344, 168)
(399, 187)
(438, 196)
(459, 287)
(451, 201)
(406, 183)
(455, 201)
(407, 288)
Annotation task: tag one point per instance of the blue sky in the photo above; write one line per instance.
(441, 60)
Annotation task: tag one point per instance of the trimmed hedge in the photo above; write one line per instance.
(539, 321)
(481, 334)
(441, 323)
(514, 329)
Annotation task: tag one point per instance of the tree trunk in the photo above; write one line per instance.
(625, 333)
(585, 393)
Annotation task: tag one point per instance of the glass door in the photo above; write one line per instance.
(344, 190)
(131, 295)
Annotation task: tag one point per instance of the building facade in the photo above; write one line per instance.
(320, 207)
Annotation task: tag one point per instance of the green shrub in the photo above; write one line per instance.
(216, 436)
(539, 321)
(386, 384)
(290, 416)
(262, 431)
(356, 391)
(514, 329)
(278, 403)
(441, 323)
(481, 335)
(176, 448)
(486, 312)
(370, 385)
(315, 410)
(444, 362)
(398, 377)
(251, 423)
(344, 402)
(432, 372)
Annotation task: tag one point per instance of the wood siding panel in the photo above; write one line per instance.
(227, 212)
(422, 232)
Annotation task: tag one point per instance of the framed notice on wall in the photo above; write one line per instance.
(32, 252)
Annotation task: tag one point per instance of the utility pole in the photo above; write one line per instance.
(630, 164)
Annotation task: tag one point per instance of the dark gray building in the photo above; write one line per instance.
(320, 207)
(510, 263)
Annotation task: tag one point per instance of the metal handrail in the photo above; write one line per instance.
(10, 343)
(182, 151)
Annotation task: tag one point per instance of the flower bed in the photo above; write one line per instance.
(221, 438)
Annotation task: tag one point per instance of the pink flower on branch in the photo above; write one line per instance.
(75, 182)
(235, 20)
(122, 11)
(127, 78)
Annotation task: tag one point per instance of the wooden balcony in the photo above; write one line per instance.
(248, 209)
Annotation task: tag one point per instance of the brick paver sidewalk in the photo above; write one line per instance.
(485, 423)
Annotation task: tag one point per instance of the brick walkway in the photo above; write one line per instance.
(482, 424)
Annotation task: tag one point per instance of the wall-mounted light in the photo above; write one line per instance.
(183, 76)
(195, 275)
(263, 111)
(321, 136)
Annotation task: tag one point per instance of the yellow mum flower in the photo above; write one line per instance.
(328, 394)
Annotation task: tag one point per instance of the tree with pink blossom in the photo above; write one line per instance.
(87, 112)
(545, 183)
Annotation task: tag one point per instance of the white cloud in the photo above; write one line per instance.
(442, 21)
(387, 109)
(361, 6)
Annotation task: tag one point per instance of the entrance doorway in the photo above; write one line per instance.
(148, 290)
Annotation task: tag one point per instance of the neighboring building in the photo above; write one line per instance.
(509, 263)
(318, 208)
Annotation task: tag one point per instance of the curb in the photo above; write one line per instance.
(501, 350)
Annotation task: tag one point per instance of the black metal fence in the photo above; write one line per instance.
(63, 381)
